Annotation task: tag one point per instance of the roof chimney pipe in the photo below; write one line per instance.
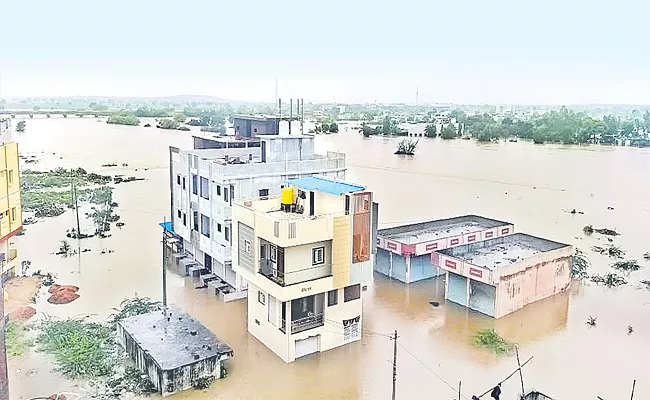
(290, 114)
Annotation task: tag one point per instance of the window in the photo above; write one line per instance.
(195, 184)
(352, 293)
(272, 314)
(205, 188)
(274, 253)
(183, 183)
(178, 179)
(196, 220)
(227, 234)
(218, 190)
(247, 247)
(205, 225)
(184, 219)
(318, 256)
(179, 213)
(264, 192)
(225, 194)
(13, 214)
(11, 177)
(351, 328)
(332, 297)
(218, 227)
(261, 297)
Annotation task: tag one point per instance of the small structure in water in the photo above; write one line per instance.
(499, 276)
(404, 252)
(173, 349)
(535, 395)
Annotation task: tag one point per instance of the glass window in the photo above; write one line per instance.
(264, 192)
(205, 225)
(178, 179)
(183, 183)
(227, 234)
(196, 221)
(184, 219)
(261, 297)
(218, 190)
(247, 246)
(179, 213)
(205, 188)
(218, 227)
(195, 184)
(332, 297)
(352, 293)
(318, 256)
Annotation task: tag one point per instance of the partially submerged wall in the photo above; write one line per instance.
(532, 279)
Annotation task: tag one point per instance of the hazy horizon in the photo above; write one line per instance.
(501, 52)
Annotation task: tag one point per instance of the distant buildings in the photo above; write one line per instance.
(219, 171)
(306, 256)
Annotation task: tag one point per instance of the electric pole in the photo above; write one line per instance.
(394, 363)
(164, 271)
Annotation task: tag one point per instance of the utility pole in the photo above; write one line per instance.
(521, 374)
(164, 270)
(4, 379)
(76, 207)
(394, 363)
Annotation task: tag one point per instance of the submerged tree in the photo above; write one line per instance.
(580, 265)
(407, 147)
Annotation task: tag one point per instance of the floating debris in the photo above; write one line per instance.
(588, 229)
(63, 294)
(591, 321)
(407, 147)
(646, 283)
(646, 256)
(630, 329)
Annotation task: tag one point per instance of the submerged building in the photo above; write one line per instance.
(306, 256)
(499, 276)
(173, 349)
(11, 221)
(404, 252)
(219, 171)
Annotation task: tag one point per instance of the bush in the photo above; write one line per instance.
(168, 124)
(491, 340)
(123, 119)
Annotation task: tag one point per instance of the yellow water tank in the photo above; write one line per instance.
(287, 196)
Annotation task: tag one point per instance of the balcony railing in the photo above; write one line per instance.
(304, 324)
(270, 270)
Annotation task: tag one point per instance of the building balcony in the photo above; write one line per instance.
(304, 324)
(9, 265)
(282, 278)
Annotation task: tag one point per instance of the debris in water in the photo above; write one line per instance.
(434, 303)
(610, 208)
(490, 339)
(646, 283)
(609, 280)
(591, 321)
(588, 229)
(630, 329)
(628, 265)
(646, 256)
(606, 231)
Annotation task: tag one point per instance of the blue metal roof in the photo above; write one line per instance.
(168, 227)
(325, 185)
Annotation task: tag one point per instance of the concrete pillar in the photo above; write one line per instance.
(408, 269)
(390, 264)
(467, 291)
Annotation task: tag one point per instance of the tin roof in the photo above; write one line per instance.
(325, 185)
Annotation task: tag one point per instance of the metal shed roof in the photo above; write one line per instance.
(325, 185)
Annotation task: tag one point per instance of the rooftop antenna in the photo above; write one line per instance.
(276, 92)
(302, 116)
(290, 114)
(417, 95)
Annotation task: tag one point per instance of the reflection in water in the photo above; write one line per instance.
(530, 185)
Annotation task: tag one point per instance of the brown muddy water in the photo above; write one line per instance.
(532, 186)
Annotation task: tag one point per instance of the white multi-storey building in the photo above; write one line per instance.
(205, 182)
(306, 256)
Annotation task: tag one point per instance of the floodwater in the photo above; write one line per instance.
(532, 186)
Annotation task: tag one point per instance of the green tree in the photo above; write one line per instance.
(180, 118)
(168, 123)
(334, 127)
(449, 131)
(646, 120)
(431, 130)
(488, 133)
(123, 118)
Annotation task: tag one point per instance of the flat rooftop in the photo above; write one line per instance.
(265, 117)
(325, 185)
(178, 342)
(502, 251)
(438, 229)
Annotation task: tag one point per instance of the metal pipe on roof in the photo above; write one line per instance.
(290, 114)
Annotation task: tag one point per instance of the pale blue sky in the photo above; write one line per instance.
(496, 51)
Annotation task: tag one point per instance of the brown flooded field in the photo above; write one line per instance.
(532, 186)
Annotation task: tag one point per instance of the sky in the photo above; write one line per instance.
(453, 51)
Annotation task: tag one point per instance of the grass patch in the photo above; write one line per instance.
(60, 178)
(81, 349)
(489, 339)
(16, 338)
